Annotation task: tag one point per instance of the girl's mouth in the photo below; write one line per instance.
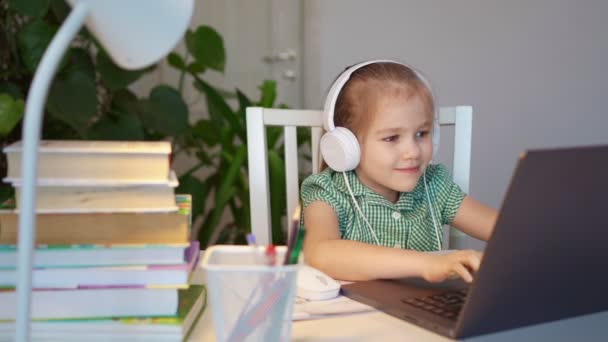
(409, 170)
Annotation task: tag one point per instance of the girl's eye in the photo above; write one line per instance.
(422, 134)
(392, 138)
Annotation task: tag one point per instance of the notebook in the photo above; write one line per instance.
(546, 260)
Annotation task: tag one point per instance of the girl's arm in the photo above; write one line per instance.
(475, 219)
(352, 260)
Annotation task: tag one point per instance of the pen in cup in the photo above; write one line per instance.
(295, 227)
(297, 248)
(254, 247)
(271, 255)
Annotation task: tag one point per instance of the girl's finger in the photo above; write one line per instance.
(463, 272)
(472, 261)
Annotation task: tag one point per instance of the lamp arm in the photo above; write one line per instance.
(31, 138)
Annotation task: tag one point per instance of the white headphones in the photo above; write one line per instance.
(340, 148)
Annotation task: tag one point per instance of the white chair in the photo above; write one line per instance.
(258, 118)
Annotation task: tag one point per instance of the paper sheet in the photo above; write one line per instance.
(307, 309)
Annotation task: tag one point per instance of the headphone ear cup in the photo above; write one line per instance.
(340, 149)
(435, 134)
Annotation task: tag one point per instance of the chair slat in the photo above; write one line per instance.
(259, 190)
(296, 117)
(447, 116)
(462, 165)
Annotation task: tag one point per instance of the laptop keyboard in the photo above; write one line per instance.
(446, 304)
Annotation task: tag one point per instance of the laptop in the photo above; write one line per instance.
(547, 258)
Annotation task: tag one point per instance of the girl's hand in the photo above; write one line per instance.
(453, 265)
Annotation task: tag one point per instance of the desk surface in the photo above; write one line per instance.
(378, 326)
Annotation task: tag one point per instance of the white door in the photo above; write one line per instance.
(262, 39)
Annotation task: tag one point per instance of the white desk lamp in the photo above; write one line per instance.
(136, 34)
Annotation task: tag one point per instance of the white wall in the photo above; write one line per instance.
(534, 70)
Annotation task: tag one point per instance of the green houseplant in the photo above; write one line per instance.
(220, 143)
(90, 99)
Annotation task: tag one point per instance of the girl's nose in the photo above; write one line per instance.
(411, 150)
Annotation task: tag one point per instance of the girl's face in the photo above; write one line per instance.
(397, 146)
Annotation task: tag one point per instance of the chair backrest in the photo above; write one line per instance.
(461, 117)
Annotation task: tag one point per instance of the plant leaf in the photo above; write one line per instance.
(60, 9)
(219, 109)
(114, 76)
(204, 157)
(205, 131)
(207, 47)
(11, 111)
(7, 197)
(73, 99)
(224, 191)
(227, 140)
(244, 102)
(176, 61)
(32, 41)
(55, 128)
(165, 111)
(303, 136)
(269, 93)
(121, 127)
(196, 67)
(242, 213)
(210, 224)
(125, 101)
(276, 173)
(31, 8)
(79, 59)
(231, 175)
(272, 136)
(227, 94)
(11, 89)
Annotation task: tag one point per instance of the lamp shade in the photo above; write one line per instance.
(137, 33)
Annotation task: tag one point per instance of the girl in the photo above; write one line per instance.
(380, 205)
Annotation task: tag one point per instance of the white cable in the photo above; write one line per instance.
(350, 191)
(432, 211)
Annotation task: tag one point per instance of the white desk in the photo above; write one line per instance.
(378, 326)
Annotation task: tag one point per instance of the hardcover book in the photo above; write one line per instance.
(79, 195)
(101, 301)
(73, 276)
(105, 228)
(191, 305)
(134, 161)
(97, 255)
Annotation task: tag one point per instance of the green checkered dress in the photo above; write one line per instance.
(405, 224)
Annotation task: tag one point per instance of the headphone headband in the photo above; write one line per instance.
(334, 91)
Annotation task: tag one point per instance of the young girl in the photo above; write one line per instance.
(380, 205)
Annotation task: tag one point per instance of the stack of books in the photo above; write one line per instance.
(113, 257)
